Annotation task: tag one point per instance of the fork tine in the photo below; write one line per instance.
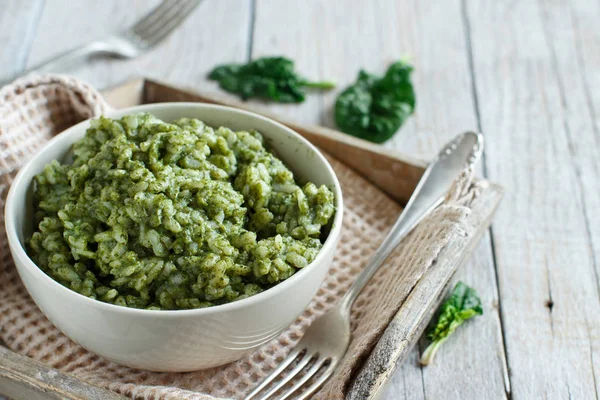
(317, 384)
(163, 13)
(301, 364)
(152, 17)
(284, 364)
(309, 374)
(172, 20)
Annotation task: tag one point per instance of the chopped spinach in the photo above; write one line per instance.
(462, 305)
(270, 78)
(374, 108)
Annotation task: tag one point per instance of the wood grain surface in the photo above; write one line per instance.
(527, 74)
(23, 378)
(535, 112)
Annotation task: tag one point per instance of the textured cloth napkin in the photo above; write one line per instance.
(34, 109)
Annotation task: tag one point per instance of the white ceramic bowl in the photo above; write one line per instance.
(182, 340)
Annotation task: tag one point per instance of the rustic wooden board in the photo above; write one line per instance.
(34, 380)
(575, 47)
(216, 32)
(347, 36)
(536, 72)
(536, 69)
(29, 33)
(24, 378)
(23, 19)
(333, 47)
(538, 119)
(445, 105)
(416, 312)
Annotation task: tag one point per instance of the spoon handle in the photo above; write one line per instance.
(462, 152)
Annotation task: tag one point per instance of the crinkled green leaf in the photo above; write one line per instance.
(463, 304)
(375, 108)
(270, 78)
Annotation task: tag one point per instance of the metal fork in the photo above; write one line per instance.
(139, 38)
(326, 340)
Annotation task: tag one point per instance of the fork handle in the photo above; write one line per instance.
(64, 60)
(462, 152)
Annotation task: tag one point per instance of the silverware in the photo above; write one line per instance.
(326, 341)
(141, 37)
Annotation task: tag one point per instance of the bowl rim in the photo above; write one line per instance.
(16, 246)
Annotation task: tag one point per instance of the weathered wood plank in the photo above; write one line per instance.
(290, 29)
(444, 107)
(423, 292)
(155, 92)
(329, 41)
(387, 30)
(371, 35)
(22, 19)
(548, 286)
(215, 32)
(23, 378)
(586, 149)
(573, 44)
(412, 319)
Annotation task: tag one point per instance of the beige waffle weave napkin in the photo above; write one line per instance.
(34, 109)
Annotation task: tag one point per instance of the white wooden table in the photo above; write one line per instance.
(526, 74)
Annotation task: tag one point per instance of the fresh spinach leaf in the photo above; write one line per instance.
(374, 108)
(462, 305)
(270, 78)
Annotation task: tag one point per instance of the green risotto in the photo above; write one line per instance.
(175, 215)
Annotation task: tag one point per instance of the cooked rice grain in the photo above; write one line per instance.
(174, 216)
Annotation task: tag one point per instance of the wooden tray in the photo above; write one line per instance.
(394, 173)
